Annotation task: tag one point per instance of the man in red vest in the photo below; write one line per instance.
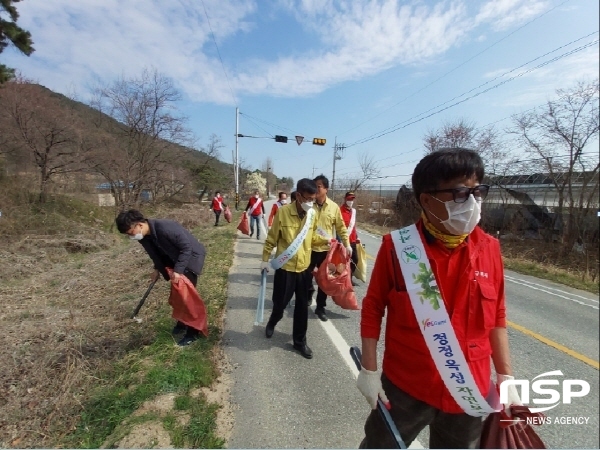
(466, 276)
(279, 203)
(256, 210)
(218, 206)
(349, 216)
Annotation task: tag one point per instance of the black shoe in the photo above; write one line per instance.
(304, 350)
(320, 312)
(269, 330)
(354, 283)
(179, 328)
(188, 339)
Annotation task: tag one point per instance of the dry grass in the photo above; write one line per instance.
(66, 305)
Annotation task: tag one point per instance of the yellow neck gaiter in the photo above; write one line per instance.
(449, 240)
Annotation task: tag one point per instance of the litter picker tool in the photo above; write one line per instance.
(260, 307)
(141, 303)
(387, 418)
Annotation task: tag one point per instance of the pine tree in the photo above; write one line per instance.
(10, 32)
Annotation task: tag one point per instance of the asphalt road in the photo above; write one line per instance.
(286, 401)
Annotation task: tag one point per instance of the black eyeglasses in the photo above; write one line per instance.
(305, 198)
(460, 195)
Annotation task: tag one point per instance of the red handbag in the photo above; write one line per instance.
(227, 214)
(244, 226)
(498, 433)
(334, 276)
(187, 305)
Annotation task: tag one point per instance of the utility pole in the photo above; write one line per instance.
(236, 174)
(338, 151)
(268, 193)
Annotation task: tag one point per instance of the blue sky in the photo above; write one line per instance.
(345, 70)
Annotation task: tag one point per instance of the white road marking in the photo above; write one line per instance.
(548, 291)
(552, 289)
(342, 346)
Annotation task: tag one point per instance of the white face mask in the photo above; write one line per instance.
(349, 203)
(137, 237)
(462, 217)
(256, 196)
(283, 201)
(307, 206)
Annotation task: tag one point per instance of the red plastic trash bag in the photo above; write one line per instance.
(227, 214)
(497, 432)
(244, 226)
(334, 276)
(187, 305)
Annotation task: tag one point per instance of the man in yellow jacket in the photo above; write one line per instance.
(292, 233)
(329, 224)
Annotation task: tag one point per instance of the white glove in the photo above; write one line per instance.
(369, 385)
(349, 251)
(513, 395)
(264, 266)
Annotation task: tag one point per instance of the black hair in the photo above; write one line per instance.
(281, 193)
(126, 219)
(323, 179)
(306, 186)
(293, 196)
(445, 165)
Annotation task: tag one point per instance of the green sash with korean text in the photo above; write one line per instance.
(435, 325)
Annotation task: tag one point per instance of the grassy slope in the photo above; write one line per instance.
(81, 367)
(161, 368)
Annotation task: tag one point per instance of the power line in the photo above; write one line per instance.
(212, 34)
(455, 68)
(417, 118)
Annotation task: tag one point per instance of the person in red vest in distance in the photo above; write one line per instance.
(218, 206)
(349, 216)
(256, 210)
(279, 203)
(441, 281)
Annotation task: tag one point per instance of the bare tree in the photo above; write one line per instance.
(39, 128)
(556, 136)
(465, 134)
(134, 144)
(369, 170)
(205, 175)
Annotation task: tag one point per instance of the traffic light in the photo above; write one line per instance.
(281, 139)
(319, 141)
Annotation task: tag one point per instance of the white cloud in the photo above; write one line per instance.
(503, 14)
(564, 73)
(91, 40)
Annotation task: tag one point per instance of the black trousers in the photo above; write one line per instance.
(217, 215)
(285, 285)
(411, 416)
(316, 259)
